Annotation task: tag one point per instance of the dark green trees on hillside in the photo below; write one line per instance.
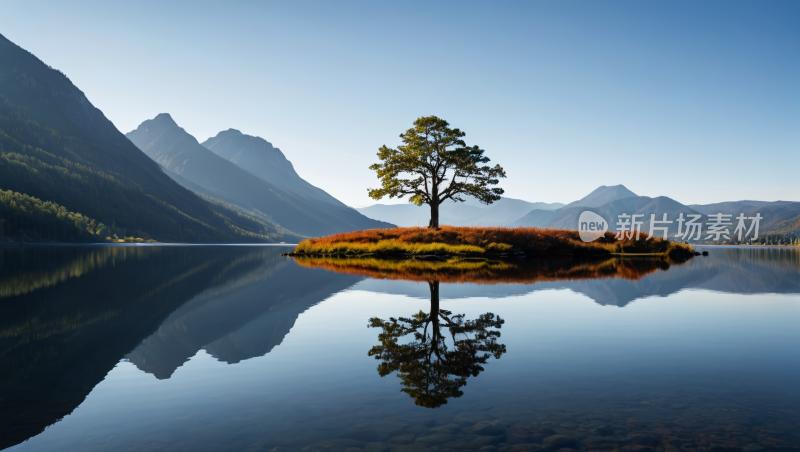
(57, 147)
(48, 221)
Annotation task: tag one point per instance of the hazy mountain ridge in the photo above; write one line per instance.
(171, 146)
(56, 146)
(599, 197)
(535, 218)
(780, 217)
(603, 195)
(260, 158)
(469, 213)
(567, 218)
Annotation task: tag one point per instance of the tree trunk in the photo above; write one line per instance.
(434, 223)
(434, 286)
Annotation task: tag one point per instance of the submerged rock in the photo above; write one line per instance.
(559, 441)
(481, 441)
(408, 438)
(366, 436)
(490, 428)
(334, 445)
(642, 439)
(523, 447)
(449, 428)
(471, 418)
(637, 448)
(605, 430)
(752, 448)
(377, 447)
(436, 438)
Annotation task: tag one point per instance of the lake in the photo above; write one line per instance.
(200, 348)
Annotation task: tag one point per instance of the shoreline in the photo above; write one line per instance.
(16, 244)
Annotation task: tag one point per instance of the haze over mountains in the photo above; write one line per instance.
(260, 158)
(779, 217)
(469, 213)
(297, 205)
(88, 178)
(67, 174)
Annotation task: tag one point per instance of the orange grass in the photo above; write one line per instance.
(490, 272)
(534, 242)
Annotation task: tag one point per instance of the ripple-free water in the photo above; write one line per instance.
(238, 348)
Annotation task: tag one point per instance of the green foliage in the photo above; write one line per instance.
(788, 239)
(45, 220)
(39, 162)
(57, 147)
(434, 164)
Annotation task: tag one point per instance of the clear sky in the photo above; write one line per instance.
(695, 100)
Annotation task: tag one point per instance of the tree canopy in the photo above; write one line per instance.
(435, 164)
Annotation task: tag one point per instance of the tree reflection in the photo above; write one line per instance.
(431, 370)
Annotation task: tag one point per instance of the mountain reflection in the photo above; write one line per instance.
(68, 315)
(431, 372)
(609, 282)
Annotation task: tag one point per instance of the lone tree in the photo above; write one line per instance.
(434, 165)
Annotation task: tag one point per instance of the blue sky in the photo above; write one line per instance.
(698, 101)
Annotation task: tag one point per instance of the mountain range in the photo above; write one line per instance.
(779, 217)
(469, 213)
(67, 174)
(57, 148)
(268, 188)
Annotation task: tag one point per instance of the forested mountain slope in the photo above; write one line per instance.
(57, 147)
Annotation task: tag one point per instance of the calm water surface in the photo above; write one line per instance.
(236, 348)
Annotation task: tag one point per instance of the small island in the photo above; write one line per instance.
(478, 243)
(434, 165)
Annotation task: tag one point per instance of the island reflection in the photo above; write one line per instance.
(431, 370)
(481, 271)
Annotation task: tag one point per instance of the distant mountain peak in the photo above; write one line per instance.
(164, 118)
(619, 187)
(242, 140)
(603, 195)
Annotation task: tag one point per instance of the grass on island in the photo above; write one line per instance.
(476, 241)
